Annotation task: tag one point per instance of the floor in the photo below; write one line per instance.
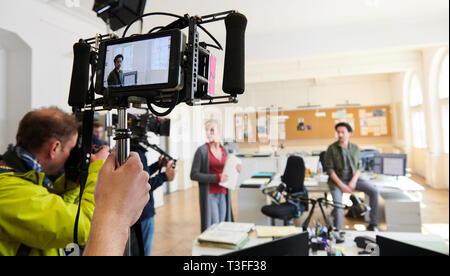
(177, 222)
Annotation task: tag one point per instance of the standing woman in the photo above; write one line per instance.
(207, 168)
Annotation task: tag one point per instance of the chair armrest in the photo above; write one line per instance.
(299, 195)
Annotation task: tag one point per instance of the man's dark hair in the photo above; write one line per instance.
(40, 126)
(97, 125)
(346, 125)
(117, 57)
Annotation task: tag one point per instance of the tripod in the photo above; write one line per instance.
(321, 202)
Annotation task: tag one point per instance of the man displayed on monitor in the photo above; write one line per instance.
(115, 78)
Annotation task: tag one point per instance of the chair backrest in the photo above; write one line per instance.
(294, 174)
(322, 160)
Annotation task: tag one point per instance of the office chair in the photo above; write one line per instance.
(324, 167)
(322, 160)
(293, 190)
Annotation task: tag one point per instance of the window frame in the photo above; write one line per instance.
(417, 107)
(443, 102)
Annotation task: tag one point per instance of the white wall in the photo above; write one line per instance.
(3, 113)
(326, 92)
(188, 123)
(50, 33)
(38, 58)
(431, 163)
(437, 164)
(350, 38)
(16, 84)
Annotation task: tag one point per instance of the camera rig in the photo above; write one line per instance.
(191, 62)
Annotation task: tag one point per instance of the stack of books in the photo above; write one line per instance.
(259, 179)
(275, 231)
(230, 235)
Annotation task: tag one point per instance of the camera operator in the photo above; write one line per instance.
(97, 139)
(37, 215)
(148, 214)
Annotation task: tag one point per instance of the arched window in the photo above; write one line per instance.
(443, 98)
(419, 135)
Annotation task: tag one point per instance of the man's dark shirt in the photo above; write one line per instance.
(155, 182)
(115, 78)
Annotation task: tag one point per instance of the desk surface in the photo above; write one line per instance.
(385, 184)
(349, 247)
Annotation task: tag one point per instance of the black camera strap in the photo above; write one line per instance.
(86, 148)
(23, 251)
(136, 238)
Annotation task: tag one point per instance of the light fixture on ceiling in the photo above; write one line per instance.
(308, 106)
(348, 104)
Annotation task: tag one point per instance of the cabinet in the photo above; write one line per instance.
(402, 213)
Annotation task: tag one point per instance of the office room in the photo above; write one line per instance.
(317, 123)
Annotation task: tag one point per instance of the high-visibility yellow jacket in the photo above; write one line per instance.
(44, 221)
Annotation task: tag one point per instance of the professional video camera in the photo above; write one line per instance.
(162, 68)
(140, 125)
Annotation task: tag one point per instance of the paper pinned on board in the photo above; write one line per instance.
(231, 171)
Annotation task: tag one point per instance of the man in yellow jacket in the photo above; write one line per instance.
(37, 215)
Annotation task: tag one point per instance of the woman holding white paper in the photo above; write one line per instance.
(207, 169)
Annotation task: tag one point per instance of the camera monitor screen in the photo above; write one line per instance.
(147, 62)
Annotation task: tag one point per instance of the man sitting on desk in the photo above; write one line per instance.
(115, 78)
(343, 163)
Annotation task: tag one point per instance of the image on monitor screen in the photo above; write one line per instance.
(144, 62)
(130, 78)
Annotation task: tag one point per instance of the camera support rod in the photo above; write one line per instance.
(123, 135)
(210, 100)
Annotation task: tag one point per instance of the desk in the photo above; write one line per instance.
(402, 197)
(250, 198)
(431, 242)
(314, 185)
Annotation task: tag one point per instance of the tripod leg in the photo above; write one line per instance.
(325, 217)
(308, 219)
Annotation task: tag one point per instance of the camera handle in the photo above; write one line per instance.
(123, 135)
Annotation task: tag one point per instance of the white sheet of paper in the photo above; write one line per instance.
(231, 171)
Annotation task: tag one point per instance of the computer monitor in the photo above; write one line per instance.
(390, 164)
(367, 158)
(130, 78)
(295, 245)
(390, 247)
